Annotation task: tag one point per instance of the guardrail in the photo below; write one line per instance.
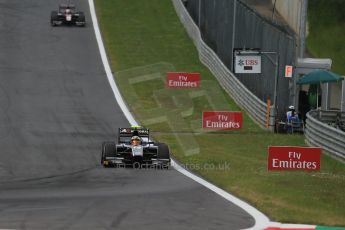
(243, 97)
(320, 131)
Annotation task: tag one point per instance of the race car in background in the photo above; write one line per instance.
(67, 15)
(135, 148)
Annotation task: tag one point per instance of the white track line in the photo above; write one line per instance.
(261, 220)
(107, 68)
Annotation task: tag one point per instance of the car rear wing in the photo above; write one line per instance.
(130, 132)
(67, 5)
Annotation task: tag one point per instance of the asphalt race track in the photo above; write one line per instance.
(56, 108)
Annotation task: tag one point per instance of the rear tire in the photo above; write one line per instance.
(163, 153)
(53, 17)
(108, 150)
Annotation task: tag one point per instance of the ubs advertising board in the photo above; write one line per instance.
(247, 63)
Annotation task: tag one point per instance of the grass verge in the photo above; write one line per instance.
(144, 40)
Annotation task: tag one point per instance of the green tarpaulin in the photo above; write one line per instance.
(319, 76)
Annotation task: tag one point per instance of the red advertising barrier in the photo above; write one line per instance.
(277, 228)
(294, 158)
(221, 120)
(183, 80)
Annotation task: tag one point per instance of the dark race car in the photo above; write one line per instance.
(135, 148)
(67, 15)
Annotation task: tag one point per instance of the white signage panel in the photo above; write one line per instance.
(247, 63)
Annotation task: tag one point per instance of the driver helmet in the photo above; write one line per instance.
(291, 107)
(135, 140)
(68, 10)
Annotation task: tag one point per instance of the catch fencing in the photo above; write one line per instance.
(321, 131)
(233, 86)
(223, 33)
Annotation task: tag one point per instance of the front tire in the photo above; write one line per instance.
(81, 19)
(53, 18)
(108, 150)
(163, 153)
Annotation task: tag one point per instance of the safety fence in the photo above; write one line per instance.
(243, 97)
(322, 130)
(226, 26)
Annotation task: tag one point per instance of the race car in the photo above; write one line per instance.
(135, 148)
(67, 15)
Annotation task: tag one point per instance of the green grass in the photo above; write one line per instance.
(326, 37)
(144, 40)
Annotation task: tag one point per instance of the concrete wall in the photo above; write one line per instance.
(290, 10)
(335, 95)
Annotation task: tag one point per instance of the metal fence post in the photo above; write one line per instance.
(342, 106)
(303, 23)
(272, 118)
(276, 78)
(233, 35)
(199, 18)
